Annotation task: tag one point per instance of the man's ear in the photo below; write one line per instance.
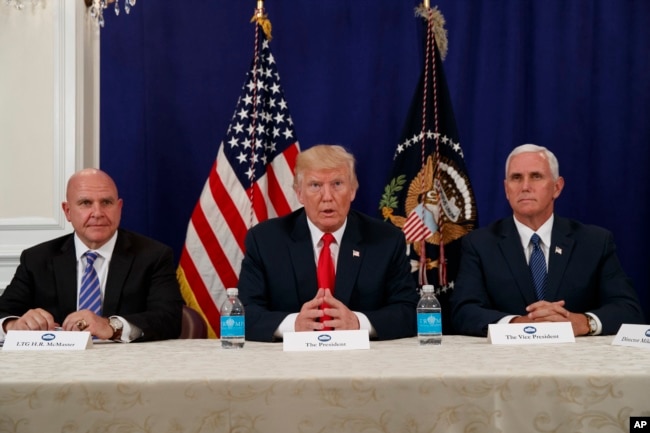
(66, 210)
(559, 186)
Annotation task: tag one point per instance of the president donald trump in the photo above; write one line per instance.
(325, 266)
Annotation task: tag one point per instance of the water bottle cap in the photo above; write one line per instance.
(232, 291)
(427, 288)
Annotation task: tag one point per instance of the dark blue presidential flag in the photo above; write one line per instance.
(428, 194)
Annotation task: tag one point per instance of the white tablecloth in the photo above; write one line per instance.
(194, 386)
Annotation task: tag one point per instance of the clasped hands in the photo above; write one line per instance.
(545, 311)
(341, 317)
(38, 319)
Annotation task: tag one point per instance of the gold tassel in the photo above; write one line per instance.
(438, 22)
(263, 21)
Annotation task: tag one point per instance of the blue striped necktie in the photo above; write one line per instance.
(537, 264)
(90, 295)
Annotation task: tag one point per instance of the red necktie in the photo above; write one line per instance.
(326, 274)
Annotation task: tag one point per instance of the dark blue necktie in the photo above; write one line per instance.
(90, 295)
(537, 266)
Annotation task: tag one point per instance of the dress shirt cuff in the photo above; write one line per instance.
(364, 323)
(599, 325)
(3, 334)
(287, 325)
(506, 319)
(129, 331)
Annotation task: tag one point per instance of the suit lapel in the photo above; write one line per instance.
(562, 245)
(64, 266)
(351, 253)
(510, 246)
(118, 270)
(303, 260)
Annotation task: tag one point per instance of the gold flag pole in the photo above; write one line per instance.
(261, 19)
(260, 8)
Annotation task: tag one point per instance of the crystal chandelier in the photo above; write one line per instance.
(96, 8)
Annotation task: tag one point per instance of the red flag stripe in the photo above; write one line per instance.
(212, 249)
(276, 190)
(259, 202)
(414, 229)
(222, 196)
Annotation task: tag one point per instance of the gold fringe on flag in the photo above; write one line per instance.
(262, 19)
(434, 16)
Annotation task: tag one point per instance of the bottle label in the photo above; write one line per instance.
(232, 326)
(429, 323)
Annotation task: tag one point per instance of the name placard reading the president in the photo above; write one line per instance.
(325, 340)
(633, 335)
(47, 340)
(531, 333)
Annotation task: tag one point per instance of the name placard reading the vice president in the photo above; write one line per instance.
(325, 340)
(47, 340)
(531, 333)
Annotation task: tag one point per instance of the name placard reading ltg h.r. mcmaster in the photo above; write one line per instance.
(47, 340)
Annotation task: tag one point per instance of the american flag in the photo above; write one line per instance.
(251, 181)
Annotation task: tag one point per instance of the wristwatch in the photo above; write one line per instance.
(117, 326)
(593, 326)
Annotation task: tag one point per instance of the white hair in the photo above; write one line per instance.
(533, 148)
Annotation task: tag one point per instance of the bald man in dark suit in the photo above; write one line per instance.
(140, 296)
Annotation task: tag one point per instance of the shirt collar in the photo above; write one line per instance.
(544, 232)
(106, 250)
(316, 234)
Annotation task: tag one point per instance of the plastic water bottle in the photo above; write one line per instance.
(429, 318)
(232, 321)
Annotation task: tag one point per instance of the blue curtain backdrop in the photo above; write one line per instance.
(569, 75)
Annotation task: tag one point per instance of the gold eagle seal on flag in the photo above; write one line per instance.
(438, 205)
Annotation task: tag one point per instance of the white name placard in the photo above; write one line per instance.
(325, 340)
(633, 335)
(47, 340)
(531, 333)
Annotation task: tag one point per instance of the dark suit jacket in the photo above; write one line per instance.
(141, 284)
(278, 275)
(494, 279)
